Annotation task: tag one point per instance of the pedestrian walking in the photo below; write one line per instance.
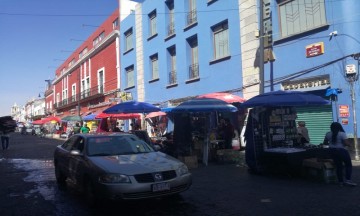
(5, 139)
(76, 128)
(337, 141)
(85, 129)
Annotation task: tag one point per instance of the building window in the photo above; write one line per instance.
(64, 97)
(172, 65)
(194, 60)
(57, 99)
(99, 38)
(299, 16)
(221, 40)
(83, 88)
(71, 63)
(116, 23)
(128, 39)
(83, 52)
(154, 67)
(101, 82)
(152, 23)
(73, 93)
(170, 17)
(130, 76)
(87, 87)
(192, 14)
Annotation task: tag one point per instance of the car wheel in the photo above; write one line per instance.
(90, 194)
(60, 177)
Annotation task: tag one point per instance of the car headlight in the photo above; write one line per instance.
(183, 170)
(114, 178)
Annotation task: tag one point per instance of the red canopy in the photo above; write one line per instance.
(45, 120)
(155, 114)
(38, 122)
(122, 116)
(51, 118)
(227, 97)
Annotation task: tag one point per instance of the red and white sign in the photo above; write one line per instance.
(314, 49)
(344, 111)
(344, 121)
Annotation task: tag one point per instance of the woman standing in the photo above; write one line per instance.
(337, 140)
(5, 139)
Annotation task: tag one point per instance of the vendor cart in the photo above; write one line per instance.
(271, 135)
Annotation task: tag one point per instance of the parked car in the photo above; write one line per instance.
(29, 129)
(118, 166)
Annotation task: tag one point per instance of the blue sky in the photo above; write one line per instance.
(33, 34)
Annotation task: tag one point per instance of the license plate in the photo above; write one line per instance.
(160, 187)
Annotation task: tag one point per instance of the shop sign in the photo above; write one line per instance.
(344, 111)
(307, 84)
(344, 121)
(124, 96)
(314, 49)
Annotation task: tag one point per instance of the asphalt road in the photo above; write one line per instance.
(27, 187)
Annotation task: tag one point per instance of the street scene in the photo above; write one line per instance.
(29, 188)
(143, 107)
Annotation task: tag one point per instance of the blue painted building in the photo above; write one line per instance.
(172, 50)
(313, 43)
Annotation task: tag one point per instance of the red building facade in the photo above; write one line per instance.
(88, 81)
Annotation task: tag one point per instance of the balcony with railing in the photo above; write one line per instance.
(194, 71)
(85, 95)
(171, 29)
(172, 78)
(191, 17)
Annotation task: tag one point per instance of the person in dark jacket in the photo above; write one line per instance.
(5, 139)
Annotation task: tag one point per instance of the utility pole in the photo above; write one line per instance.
(352, 76)
(78, 105)
(261, 47)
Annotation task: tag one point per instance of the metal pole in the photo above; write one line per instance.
(261, 47)
(354, 119)
(79, 94)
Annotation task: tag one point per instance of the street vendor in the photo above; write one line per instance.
(303, 133)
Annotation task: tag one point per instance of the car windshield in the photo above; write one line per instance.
(116, 145)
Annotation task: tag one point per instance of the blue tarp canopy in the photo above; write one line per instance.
(90, 117)
(285, 98)
(204, 105)
(132, 107)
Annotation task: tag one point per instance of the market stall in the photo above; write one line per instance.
(109, 122)
(272, 143)
(194, 120)
(129, 110)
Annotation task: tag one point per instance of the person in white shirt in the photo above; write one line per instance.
(303, 133)
(337, 141)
